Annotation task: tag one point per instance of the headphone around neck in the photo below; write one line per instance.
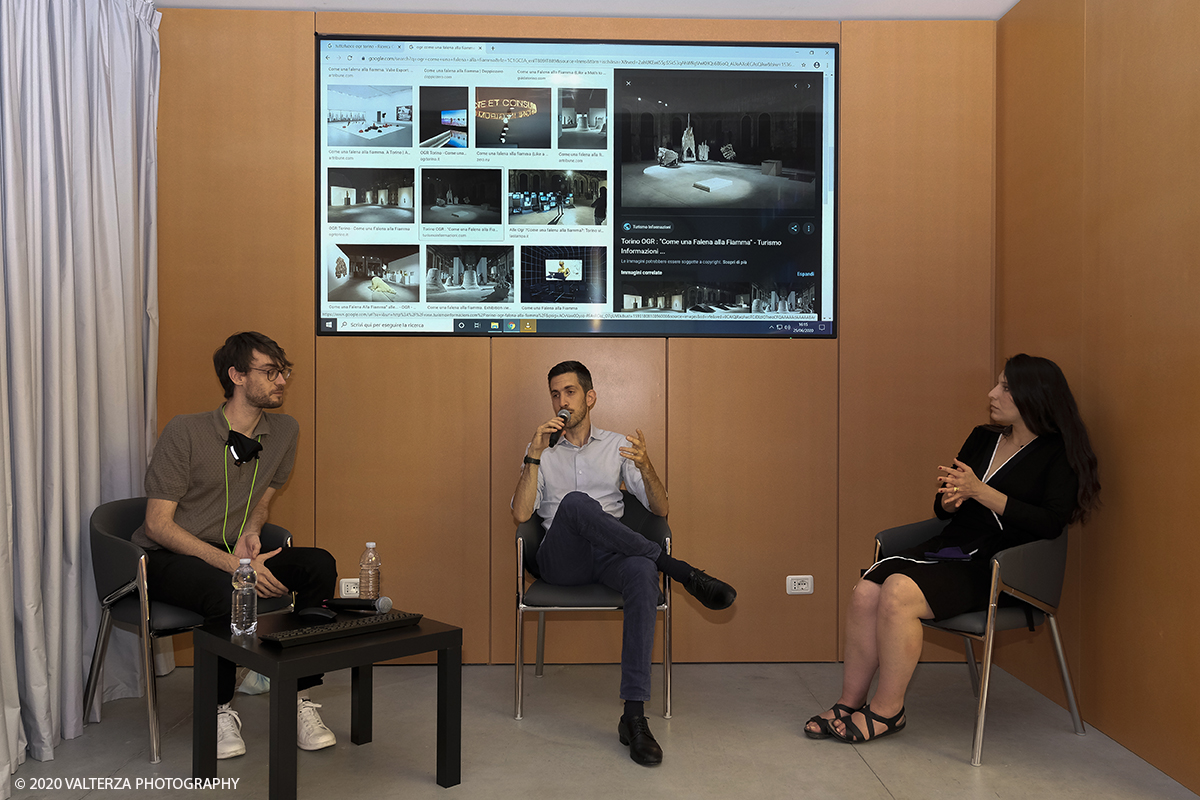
(242, 448)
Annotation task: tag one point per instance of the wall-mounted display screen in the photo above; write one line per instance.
(576, 188)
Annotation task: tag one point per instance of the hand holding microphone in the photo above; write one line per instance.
(565, 415)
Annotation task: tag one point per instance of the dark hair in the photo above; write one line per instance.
(238, 352)
(585, 377)
(1041, 394)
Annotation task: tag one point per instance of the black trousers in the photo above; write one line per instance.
(189, 582)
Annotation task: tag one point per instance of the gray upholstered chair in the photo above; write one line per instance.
(543, 598)
(1033, 575)
(120, 569)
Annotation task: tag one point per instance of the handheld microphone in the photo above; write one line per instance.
(380, 606)
(565, 416)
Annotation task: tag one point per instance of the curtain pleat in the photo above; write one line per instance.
(79, 330)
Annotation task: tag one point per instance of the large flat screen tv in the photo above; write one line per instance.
(567, 188)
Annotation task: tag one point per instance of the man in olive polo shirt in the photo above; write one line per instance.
(210, 484)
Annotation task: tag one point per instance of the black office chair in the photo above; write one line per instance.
(1033, 575)
(120, 569)
(542, 597)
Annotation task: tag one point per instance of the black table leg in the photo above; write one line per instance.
(449, 716)
(282, 765)
(204, 714)
(361, 690)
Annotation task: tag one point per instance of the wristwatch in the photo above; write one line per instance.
(529, 460)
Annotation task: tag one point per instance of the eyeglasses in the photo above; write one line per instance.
(274, 373)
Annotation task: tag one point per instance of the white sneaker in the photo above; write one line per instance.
(229, 733)
(311, 733)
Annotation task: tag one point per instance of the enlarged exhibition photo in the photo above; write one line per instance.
(373, 273)
(369, 116)
(379, 196)
(717, 139)
(468, 274)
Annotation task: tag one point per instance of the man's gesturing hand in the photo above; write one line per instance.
(636, 452)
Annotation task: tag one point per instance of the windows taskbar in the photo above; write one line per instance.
(488, 326)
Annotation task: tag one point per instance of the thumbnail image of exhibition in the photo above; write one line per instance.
(369, 116)
(557, 197)
(373, 273)
(514, 118)
(716, 139)
(460, 196)
(582, 119)
(443, 116)
(563, 274)
(361, 196)
(468, 274)
(691, 297)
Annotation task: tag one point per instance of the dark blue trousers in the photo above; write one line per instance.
(586, 545)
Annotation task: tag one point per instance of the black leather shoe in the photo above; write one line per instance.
(713, 593)
(643, 748)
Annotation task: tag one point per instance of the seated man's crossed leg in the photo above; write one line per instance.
(586, 545)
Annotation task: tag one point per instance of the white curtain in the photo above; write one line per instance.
(79, 330)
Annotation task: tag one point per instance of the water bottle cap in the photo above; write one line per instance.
(243, 561)
(370, 544)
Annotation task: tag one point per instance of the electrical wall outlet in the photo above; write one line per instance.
(799, 584)
(349, 587)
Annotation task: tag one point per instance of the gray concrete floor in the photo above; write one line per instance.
(736, 732)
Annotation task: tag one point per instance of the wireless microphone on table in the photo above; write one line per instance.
(565, 416)
(380, 606)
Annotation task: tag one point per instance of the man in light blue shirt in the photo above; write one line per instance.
(575, 487)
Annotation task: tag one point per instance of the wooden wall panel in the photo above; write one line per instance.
(753, 455)
(917, 190)
(1098, 245)
(402, 439)
(1039, 252)
(629, 377)
(1141, 345)
(235, 222)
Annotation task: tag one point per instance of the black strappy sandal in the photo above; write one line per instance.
(853, 735)
(823, 724)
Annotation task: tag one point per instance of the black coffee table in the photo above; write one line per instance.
(286, 665)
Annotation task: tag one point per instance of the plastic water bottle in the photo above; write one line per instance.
(368, 573)
(244, 619)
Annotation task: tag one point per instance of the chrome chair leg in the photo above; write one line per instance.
(541, 645)
(97, 662)
(972, 666)
(519, 688)
(1068, 688)
(984, 679)
(148, 663)
(667, 653)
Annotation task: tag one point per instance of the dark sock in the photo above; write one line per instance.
(634, 708)
(673, 568)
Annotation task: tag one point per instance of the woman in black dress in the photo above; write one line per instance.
(1022, 478)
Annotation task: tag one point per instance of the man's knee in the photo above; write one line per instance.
(576, 503)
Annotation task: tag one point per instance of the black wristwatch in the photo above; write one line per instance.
(529, 460)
